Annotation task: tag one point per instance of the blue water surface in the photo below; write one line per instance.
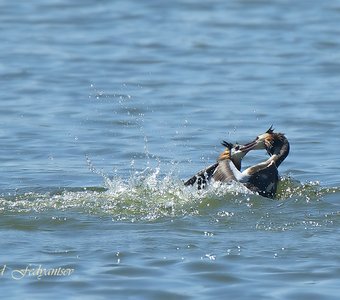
(106, 106)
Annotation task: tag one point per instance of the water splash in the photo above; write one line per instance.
(291, 189)
(149, 195)
(146, 195)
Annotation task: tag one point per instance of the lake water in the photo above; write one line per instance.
(106, 106)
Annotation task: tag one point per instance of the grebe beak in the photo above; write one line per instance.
(249, 146)
(254, 145)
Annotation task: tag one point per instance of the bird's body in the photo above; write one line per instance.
(227, 168)
(264, 177)
(261, 178)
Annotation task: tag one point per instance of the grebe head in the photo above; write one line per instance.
(271, 141)
(237, 151)
(234, 152)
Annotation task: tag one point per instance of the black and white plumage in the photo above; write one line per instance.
(261, 178)
(227, 168)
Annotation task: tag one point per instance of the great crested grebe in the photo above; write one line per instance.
(226, 168)
(263, 177)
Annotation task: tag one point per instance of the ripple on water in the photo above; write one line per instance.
(222, 236)
(149, 196)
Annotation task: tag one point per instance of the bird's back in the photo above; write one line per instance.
(264, 181)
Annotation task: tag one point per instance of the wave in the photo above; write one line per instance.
(149, 196)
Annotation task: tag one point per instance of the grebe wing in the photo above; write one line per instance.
(202, 176)
(226, 171)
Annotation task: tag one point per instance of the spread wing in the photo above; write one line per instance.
(226, 171)
(223, 171)
(202, 177)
